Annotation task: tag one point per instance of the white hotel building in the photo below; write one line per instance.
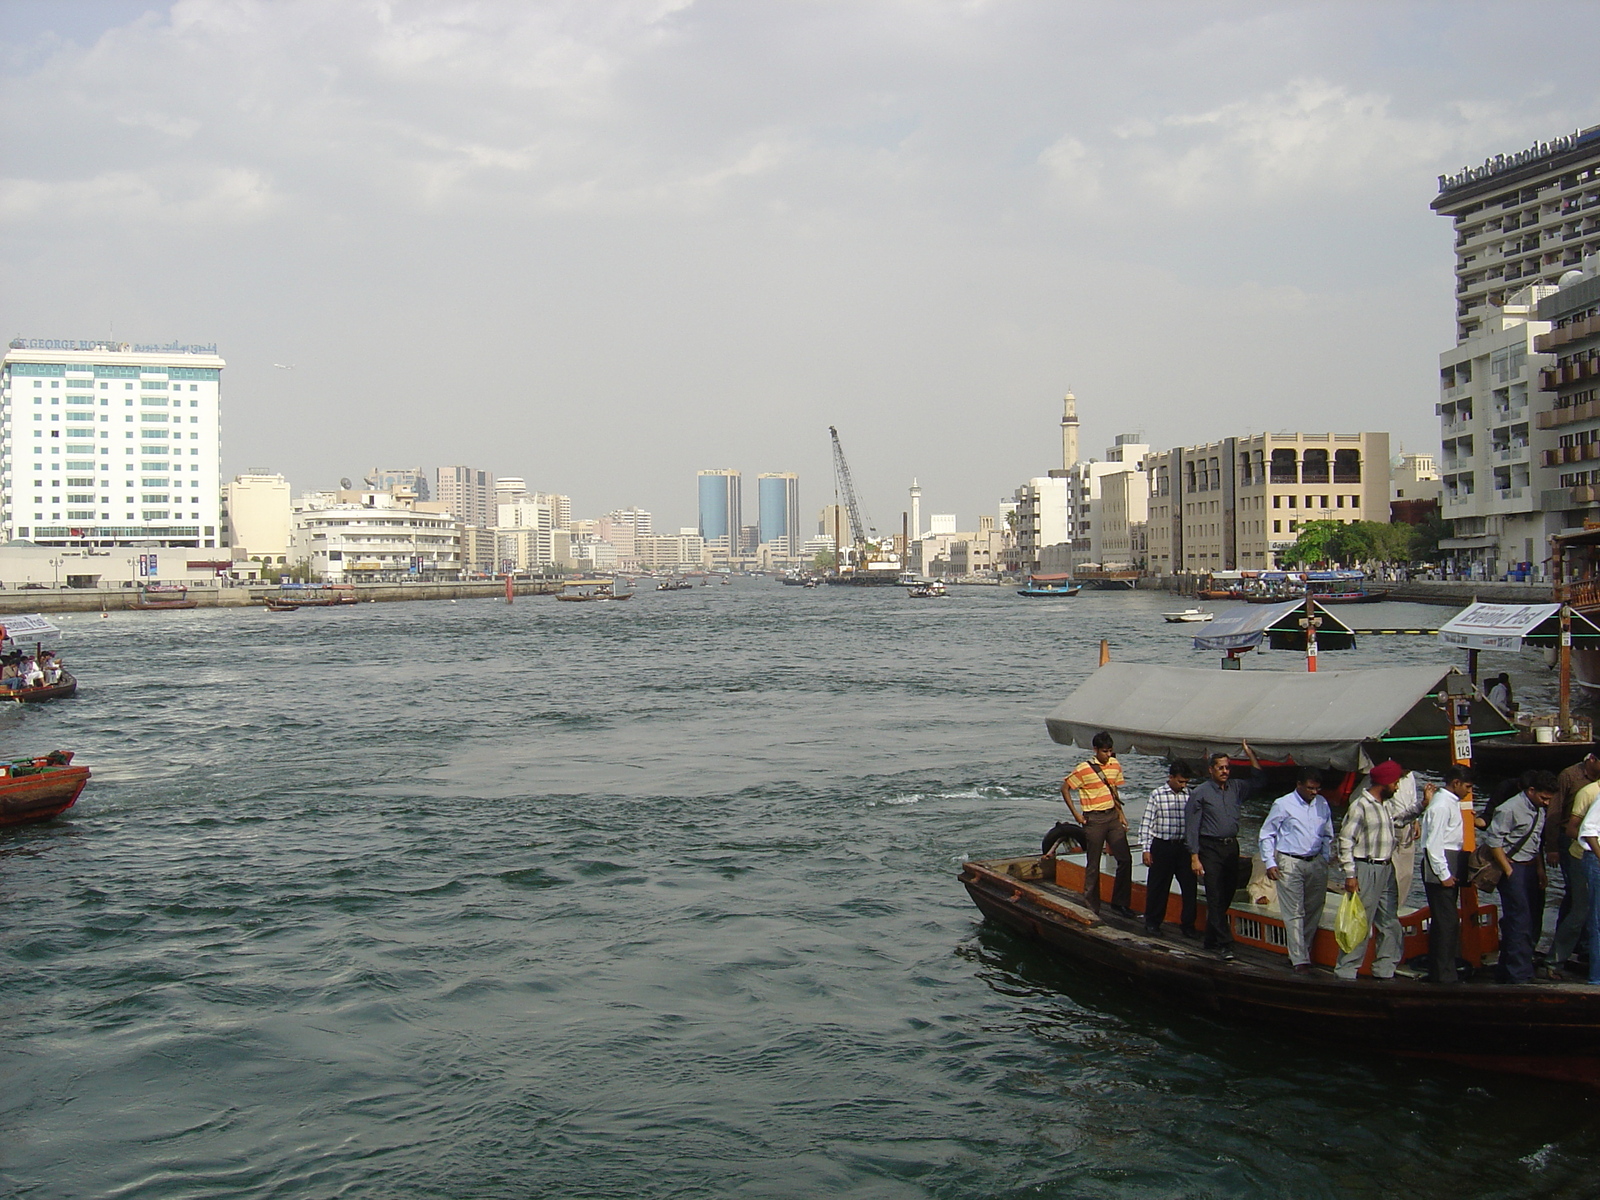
(110, 444)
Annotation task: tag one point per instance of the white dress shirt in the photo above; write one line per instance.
(1441, 831)
(1589, 827)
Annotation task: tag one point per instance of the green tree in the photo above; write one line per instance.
(1425, 538)
(825, 560)
(1316, 543)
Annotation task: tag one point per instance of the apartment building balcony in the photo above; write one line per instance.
(1570, 415)
(1511, 454)
(1553, 377)
(1546, 342)
(1562, 455)
(1584, 495)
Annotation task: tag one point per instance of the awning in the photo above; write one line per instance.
(27, 627)
(1336, 719)
(1508, 626)
(1243, 626)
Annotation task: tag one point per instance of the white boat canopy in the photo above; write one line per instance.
(27, 627)
(1244, 625)
(1504, 626)
(1319, 719)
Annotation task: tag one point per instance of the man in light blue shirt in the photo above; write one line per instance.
(1295, 844)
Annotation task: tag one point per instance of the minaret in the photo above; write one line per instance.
(1069, 433)
(916, 511)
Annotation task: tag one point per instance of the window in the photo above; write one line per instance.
(1355, 501)
(160, 418)
(1340, 500)
(153, 401)
(1293, 500)
(1277, 502)
(150, 385)
(1293, 526)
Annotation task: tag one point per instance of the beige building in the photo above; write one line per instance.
(351, 536)
(672, 551)
(1414, 477)
(1236, 504)
(257, 514)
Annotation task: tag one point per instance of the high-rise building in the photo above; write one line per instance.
(720, 515)
(110, 443)
(469, 494)
(778, 514)
(1520, 219)
(409, 479)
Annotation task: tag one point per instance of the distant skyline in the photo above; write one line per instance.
(607, 244)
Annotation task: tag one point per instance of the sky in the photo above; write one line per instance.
(603, 244)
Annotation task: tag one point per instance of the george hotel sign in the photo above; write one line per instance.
(1504, 162)
(102, 345)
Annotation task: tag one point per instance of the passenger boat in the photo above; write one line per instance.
(591, 589)
(276, 605)
(674, 585)
(926, 590)
(36, 789)
(32, 627)
(1046, 586)
(164, 595)
(1188, 616)
(1550, 1030)
(1575, 578)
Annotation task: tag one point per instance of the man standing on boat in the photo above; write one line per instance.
(1097, 782)
(1211, 828)
(1161, 835)
(1442, 868)
(1366, 852)
(1295, 841)
(1513, 839)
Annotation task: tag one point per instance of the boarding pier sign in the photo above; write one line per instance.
(1495, 626)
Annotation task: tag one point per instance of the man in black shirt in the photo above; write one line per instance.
(1211, 827)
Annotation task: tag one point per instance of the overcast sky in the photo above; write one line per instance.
(606, 243)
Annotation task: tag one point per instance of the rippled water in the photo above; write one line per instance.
(648, 899)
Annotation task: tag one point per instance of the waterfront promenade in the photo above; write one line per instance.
(44, 600)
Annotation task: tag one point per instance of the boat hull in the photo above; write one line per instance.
(1049, 593)
(38, 797)
(1546, 1030)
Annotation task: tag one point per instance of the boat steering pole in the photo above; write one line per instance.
(1459, 692)
(1309, 623)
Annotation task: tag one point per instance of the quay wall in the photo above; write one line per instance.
(117, 599)
(1454, 593)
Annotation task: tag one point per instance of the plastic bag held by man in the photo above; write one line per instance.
(1350, 925)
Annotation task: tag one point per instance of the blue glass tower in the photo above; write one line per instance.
(720, 513)
(779, 512)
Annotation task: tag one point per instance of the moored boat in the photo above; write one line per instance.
(36, 789)
(156, 596)
(1047, 586)
(927, 589)
(1188, 616)
(591, 590)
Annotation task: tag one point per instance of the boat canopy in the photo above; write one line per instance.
(27, 627)
(1336, 719)
(1050, 578)
(1507, 626)
(1244, 625)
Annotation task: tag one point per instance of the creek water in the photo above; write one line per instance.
(643, 899)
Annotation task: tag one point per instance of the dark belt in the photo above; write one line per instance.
(1376, 862)
(1301, 857)
(1206, 837)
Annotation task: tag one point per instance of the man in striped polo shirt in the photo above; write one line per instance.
(1097, 782)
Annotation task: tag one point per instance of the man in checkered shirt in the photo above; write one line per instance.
(1166, 853)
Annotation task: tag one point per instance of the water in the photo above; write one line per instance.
(638, 900)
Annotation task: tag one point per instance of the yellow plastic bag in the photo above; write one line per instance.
(1350, 924)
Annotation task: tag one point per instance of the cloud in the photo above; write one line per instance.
(186, 198)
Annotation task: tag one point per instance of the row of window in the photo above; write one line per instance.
(114, 371)
(88, 385)
(144, 402)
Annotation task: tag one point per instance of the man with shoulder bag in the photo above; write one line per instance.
(1098, 782)
(1515, 868)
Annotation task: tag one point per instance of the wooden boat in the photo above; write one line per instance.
(1188, 616)
(1575, 571)
(36, 789)
(674, 585)
(591, 590)
(1550, 1030)
(1361, 596)
(275, 605)
(1221, 594)
(1047, 586)
(64, 687)
(930, 589)
(329, 595)
(163, 596)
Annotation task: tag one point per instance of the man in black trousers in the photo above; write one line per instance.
(1211, 829)
(1165, 853)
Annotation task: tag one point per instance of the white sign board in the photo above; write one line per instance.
(1495, 626)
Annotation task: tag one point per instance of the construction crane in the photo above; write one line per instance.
(861, 529)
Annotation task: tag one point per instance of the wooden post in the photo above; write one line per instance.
(1566, 671)
(1105, 652)
(508, 587)
(1311, 621)
(1472, 665)
(1458, 709)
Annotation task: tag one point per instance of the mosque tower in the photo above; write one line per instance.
(916, 511)
(1069, 433)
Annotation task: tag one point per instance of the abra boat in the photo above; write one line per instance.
(927, 589)
(1188, 616)
(1046, 586)
(36, 789)
(31, 627)
(674, 585)
(164, 595)
(591, 589)
(1551, 1030)
(312, 595)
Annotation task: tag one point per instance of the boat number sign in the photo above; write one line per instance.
(1462, 743)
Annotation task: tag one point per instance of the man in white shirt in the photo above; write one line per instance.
(1589, 838)
(1294, 845)
(1442, 866)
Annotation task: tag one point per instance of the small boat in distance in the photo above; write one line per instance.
(591, 589)
(312, 595)
(1044, 586)
(58, 683)
(675, 585)
(154, 596)
(36, 789)
(1187, 616)
(929, 589)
